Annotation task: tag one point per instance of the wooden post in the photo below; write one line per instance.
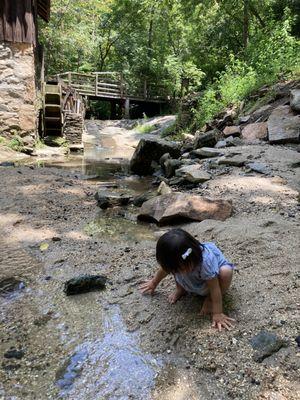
(121, 86)
(97, 79)
(127, 108)
(69, 78)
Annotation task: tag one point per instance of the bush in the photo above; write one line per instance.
(267, 59)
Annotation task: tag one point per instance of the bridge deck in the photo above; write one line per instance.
(111, 86)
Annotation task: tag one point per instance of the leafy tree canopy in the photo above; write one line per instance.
(181, 44)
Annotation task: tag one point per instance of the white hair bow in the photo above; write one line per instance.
(186, 254)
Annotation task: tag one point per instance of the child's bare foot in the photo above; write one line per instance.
(206, 307)
(179, 292)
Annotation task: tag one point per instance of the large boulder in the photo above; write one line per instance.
(255, 131)
(295, 100)
(173, 207)
(208, 139)
(193, 173)
(151, 149)
(283, 125)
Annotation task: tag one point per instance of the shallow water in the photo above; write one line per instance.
(121, 370)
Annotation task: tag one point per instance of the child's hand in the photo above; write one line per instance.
(222, 321)
(148, 287)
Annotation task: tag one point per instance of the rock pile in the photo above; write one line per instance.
(277, 122)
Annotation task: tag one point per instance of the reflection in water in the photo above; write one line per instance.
(118, 228)
(110, 369)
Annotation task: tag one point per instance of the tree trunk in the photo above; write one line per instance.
(246, 23)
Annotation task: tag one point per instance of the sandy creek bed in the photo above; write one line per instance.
(117, 344)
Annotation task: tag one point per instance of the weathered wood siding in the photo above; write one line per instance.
(18, 21)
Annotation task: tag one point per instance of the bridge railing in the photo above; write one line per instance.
(110, 85)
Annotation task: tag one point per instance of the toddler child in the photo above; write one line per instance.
(199, 268)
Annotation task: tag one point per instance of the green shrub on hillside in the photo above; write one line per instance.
(267, 59)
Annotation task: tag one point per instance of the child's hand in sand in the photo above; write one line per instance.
(148, 287)
(220, 321)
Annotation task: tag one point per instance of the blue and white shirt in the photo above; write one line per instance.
(212, 260)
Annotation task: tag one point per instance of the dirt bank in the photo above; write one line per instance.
(83, 347)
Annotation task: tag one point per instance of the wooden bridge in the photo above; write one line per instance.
(111, 85)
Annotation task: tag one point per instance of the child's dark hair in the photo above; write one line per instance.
(177, 251)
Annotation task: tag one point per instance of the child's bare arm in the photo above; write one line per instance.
(219, 319)
(150, 286)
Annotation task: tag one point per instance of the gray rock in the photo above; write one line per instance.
(283, 126)
(185, 155)
(206, 152)
(232, 131)
(84, 283)
(208, 139)
(170, 167)
(262, 113)
(265, 344)
(140, 199)
(106, 199)
(164, 158)
(235, 161)
(163, 188)
(244, 119)
(221, 144)
(259, 167)
(295, 100)
(193, 174)
(7, 164)
(176, 181)
(151, 149)
(14, 353)
(233, 141)
(173, 207)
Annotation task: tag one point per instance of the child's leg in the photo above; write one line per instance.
(179, 292)
(225, 278)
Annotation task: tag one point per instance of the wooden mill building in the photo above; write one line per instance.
(20, 65)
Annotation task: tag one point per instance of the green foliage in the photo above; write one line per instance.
(16, 143)
(140, 128)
